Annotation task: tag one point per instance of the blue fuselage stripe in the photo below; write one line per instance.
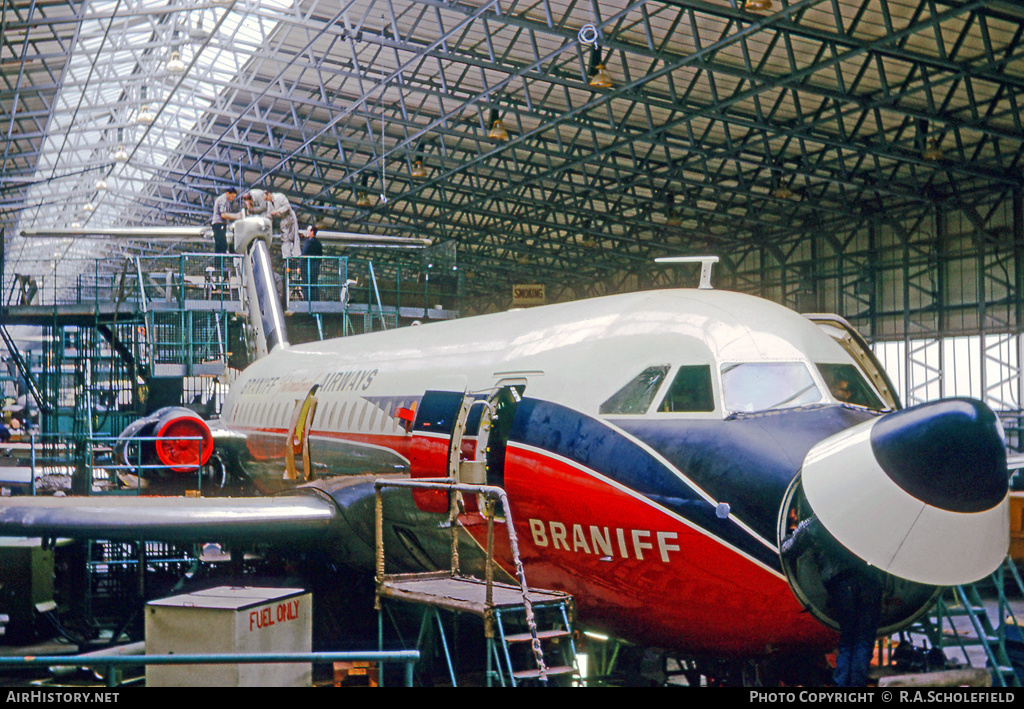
(746, 462)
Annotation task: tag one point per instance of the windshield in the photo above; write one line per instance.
(690, 391)
(847, 385)
(759, 386)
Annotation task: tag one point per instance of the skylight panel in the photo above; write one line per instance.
(114, 57)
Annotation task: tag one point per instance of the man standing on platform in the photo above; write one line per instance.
(223, 212)
(313, 250)
(276, 206)
(280, 209)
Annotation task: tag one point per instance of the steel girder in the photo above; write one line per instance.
(725, 130)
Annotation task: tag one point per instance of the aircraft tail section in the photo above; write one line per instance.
(252, 236)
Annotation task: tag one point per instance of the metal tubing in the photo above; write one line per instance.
(491, 492)
(406, 657)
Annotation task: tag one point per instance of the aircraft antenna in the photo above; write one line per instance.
(706, 262)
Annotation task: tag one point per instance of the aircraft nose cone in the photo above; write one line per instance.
(919, 493)
(948, 454)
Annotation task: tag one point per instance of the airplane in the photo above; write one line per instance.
(655, 448)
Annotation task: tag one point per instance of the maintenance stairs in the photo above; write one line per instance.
(556, 642)
(964, 622)
(528, 632)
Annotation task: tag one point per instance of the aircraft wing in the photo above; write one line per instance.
(373, 240)
(182, 519)
(335, 514)
(184, 233)
(202, 234)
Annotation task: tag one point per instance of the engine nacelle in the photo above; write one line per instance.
(171, 439)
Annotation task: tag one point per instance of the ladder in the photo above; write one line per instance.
(509, 662)
(515, 642)
(985, 632)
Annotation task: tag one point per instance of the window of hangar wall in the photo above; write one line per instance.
(983, 367)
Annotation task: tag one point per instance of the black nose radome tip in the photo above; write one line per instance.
(948, 454)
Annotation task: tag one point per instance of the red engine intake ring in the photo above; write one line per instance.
(183, 442)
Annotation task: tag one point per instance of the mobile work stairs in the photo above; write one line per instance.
(528, 632)
(962, 619)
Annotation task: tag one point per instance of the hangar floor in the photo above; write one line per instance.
(902, 654)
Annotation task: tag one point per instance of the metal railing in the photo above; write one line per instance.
(99, 459)
(149, 281)
(408, 658)
(495, 498)
(379, 294)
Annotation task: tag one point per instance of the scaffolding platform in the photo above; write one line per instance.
(462, 593)
(215, 304)
(63, 315)
(523, 627)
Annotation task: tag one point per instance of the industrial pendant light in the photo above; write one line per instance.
(175, 65)
(146, 116)
(932, 151)
(198, 33)
(120, 155)
(418, 171)
(599, 76)
(783, 192)
(672, 216)
(363, 194)
(497, 131)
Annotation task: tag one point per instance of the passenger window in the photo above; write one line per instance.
(636, 397)
(690, 390)
(848, 386)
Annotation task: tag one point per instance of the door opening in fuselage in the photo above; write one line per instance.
(504, 403)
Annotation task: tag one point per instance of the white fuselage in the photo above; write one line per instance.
(577, 354)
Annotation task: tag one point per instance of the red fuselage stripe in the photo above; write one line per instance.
(630, 564)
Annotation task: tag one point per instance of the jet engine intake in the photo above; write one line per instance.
(171, 439)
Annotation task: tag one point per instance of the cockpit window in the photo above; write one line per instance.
(690, 390)
(636, 397)
(847, 385)
(760, 386)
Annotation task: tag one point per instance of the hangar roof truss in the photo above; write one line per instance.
(724, 128)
